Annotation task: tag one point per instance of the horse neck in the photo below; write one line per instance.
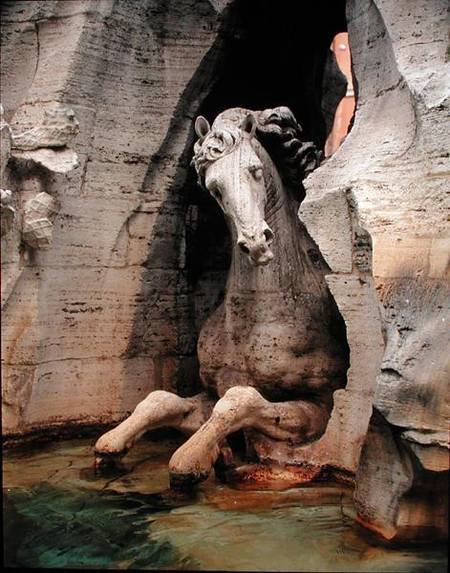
(286, 272)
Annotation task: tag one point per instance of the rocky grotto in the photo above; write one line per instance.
(181, 250)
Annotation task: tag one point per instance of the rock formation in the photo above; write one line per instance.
(377, 210)
(73, 348)
(7, 211)
(37, 225)
(111, 308)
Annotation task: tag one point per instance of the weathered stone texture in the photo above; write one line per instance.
(387, 189)
(124, 69)
(110, 309)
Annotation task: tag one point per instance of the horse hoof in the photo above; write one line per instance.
(185, 482)
(105, 463)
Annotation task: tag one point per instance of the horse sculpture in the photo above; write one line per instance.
(274, 352)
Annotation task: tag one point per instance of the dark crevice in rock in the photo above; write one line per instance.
(287, 70)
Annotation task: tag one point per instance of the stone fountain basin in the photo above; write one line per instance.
(57, 513)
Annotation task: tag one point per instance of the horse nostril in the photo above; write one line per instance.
(243, 247)
(268, 235)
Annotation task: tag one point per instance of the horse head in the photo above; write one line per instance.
(233, 159)
(234, 174)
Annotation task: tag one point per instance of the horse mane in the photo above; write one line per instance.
(276, 130)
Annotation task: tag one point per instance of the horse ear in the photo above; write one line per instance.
(202, 127)
(249, 124)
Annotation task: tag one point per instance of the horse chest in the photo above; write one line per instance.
(261, 345)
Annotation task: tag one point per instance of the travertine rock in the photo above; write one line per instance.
(103, 315)
(110, 311)
(59, 126)
(56, 161)
(394, 495)
(384, 192)
(47, 144)
(5, 143)
(38, 212)
(37, 221)
(7, 211)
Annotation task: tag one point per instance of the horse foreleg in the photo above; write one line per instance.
(159, 409)
(244, 407)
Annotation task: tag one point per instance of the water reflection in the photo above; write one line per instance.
(57, 513)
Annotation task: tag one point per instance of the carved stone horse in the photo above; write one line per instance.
(274, 352)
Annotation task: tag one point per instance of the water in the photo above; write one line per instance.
(57, 514)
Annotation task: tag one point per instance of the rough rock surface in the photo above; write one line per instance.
(73, 349)
(108, 312)
(112, 309)
(384, 194)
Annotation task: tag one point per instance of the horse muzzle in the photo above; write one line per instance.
(257, 249)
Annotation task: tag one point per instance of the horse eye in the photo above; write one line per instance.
(257, 172)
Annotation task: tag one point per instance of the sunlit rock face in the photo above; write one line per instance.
(98, 306)
(377, 210)
(99, 99)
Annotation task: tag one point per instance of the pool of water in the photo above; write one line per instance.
(57, 513)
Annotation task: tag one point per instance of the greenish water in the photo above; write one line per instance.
(57, 514)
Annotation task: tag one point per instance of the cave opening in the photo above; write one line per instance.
(274, 56)
(277, 55)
